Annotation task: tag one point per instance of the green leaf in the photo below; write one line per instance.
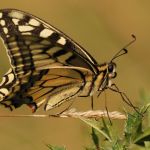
(87, 148)
(133, 127)
(106, 128)
(95, 124)
(95, 138)
(141, 139)
(118, 146)
(55, 147)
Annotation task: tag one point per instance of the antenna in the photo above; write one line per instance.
(124, 49)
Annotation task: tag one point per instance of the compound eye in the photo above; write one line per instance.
(110, 68)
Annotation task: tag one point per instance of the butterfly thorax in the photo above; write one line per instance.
(100, 81)
(107, 71)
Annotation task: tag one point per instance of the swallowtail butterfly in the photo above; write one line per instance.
(47, 66)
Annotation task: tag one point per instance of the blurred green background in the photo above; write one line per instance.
(102, 27)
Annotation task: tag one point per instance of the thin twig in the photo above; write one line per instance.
(72, 113)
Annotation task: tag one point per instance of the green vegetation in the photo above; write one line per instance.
(106, 135)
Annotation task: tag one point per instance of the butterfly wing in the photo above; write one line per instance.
(31, 41)
(57, 86)
(53, 86)
(32, 44)
(7, 86)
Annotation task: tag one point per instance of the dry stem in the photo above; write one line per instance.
(74, 114)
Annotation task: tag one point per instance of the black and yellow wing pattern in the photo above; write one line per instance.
(47, 67)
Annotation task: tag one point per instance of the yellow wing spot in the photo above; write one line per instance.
(53, 50)
(5, 30)
(4, 91)
(63, 58)
(1, 15)
(15, 14)
(11, 78)
(46, 33)
(34, 22)
(25, 28)
(15, 21)
(62, 41)
(2, 22)
(3, 81)
(26, 33)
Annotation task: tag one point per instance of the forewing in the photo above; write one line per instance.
(31, 43)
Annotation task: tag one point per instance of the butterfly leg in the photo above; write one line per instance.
(123, 96)
(92, 102)
(66, 109)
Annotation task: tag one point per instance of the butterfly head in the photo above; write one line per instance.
(110, 74)
(111, 70)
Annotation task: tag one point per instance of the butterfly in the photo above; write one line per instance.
(47, 66)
